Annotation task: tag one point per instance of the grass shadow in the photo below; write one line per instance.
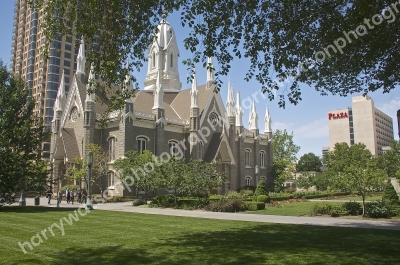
(35, 209)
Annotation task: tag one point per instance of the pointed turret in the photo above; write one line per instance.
(59, 103)
(253, 118)
(194, 93)
(81, 58)
(158, 93)
(230, 102)
(210, 73)
(267, 121)
(90, 86)
(239, 111)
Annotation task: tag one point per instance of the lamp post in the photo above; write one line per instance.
(89, 205)
(256, 172)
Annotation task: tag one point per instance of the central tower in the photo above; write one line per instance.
(163, 58)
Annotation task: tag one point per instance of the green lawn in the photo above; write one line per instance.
(291, 209)
(351, 198)
(106, 237)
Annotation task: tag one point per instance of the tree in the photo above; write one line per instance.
(389, 194)
(320, 180)
(20, 140)
(284, 154)
(78, 169)
(261, 189)
(143, 168)
(354, 169)
(173, 174)
(390, 160)
(318, 43)
(309, 162)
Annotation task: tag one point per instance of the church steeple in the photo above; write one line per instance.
(253, 118)
(210, 73)
(239, 111)
(230, 102)
(81, 58)
(194, 93)
(163, 56)
(89, 86)
(267, 121)
(158, 94)
(59, 104)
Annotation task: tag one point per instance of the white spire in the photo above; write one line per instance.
(58, 104)
(267, 121)
(92, 77)
(194, 93)
(239, 111)
(230, 102)
(128, 81)
(253, 118)
(81, 59)
(210, 73)
(158, 93)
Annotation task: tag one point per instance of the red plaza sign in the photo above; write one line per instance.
(337, 115)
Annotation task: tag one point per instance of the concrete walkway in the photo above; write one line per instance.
(316, 221)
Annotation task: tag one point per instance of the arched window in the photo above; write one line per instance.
(142, 143)
(263, 178)
(154, 59)
(171, 60)
(111, 178)
(174, 148)
(111, 148)
(247, 157)
(248, 181)
(262, 159)
(201, 150)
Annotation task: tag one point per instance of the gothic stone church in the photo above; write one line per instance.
(162, 118)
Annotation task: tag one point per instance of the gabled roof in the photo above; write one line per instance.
(181, 103)
(144, 100)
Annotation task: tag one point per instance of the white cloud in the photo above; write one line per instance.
(315, 129)
(281, 126)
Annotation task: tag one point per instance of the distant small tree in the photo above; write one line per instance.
(261, 189)
(390, 194)
(309, 162)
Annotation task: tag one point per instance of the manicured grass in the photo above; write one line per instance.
(291, 209)
(107, 237)
(351, 198)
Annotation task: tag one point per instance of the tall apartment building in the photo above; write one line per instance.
(361, 122)
(42, 76)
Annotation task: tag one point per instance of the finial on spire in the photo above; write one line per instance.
(253, 118)
(210, 73)
(194, 98)
(239, 111)
(91, 96)
(81, 58)
(267, 120)
(230, 102)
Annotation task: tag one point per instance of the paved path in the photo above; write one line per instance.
(318, 221)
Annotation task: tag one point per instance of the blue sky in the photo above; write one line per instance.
(308, 120)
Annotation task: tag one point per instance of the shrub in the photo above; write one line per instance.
(254, 206)
(252, 188)
(390, 194)
(273, 204)
(70, 187)
(231, 205)
(137, 202)
(319, 209)
(379, 209)
(261, 189)
(192, 203)
(247, 192)
(163, 201)
(337, 211)
(263, 198)
(235, 195)
(352, 208)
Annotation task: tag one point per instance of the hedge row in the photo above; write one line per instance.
(312, 196)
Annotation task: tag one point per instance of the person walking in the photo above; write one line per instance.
(49, 193)
(72, 196)
(84, 195)
(79, 196)
(59, 198)
(68, 195)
